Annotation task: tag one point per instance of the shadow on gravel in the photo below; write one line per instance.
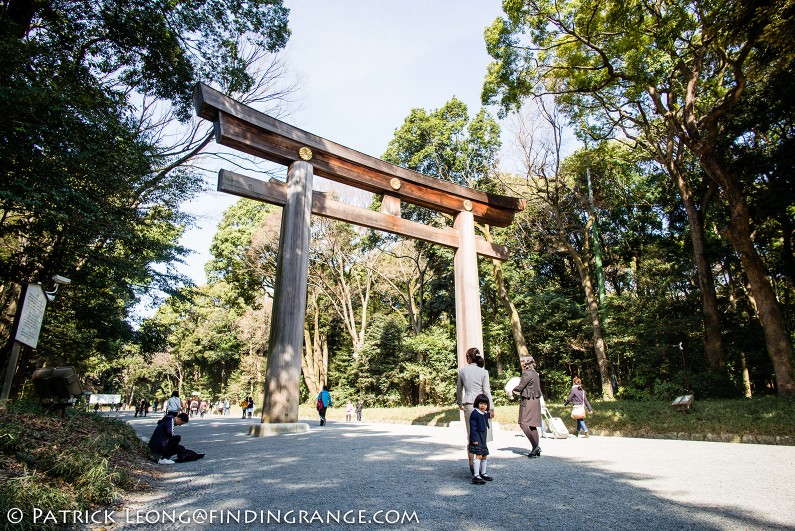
(353, 467)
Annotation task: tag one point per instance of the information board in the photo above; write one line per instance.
(31, 316)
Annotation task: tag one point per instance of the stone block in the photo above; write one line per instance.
(267, 429)
(786, 440)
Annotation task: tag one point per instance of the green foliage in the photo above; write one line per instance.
(159, 48)
(241, 258)
(684, 83)
(92, 188)
(435, 367)
(72, 463)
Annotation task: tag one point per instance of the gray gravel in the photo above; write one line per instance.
(421, 471)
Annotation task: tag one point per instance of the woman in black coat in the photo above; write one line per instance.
(529, 389)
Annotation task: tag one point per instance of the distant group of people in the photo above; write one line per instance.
(473, 396)
(324, 402)
(197, 406)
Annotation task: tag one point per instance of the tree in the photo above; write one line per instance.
(685, 65)
(156, 48)
(344, 271)
(93, 183)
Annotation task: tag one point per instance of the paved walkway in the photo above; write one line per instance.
(418, 478)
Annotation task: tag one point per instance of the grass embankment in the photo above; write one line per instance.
(765, 420)
(77, 462)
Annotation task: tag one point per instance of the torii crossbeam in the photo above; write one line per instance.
(243, 128)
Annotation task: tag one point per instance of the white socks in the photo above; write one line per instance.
(483, 466)
(477, 467)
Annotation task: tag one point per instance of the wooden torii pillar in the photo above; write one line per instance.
(245, 129)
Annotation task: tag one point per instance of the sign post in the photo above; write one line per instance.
(27, 326)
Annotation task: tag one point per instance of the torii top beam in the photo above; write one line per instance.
(250, 131)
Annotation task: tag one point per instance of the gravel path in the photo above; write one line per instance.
(418, 478)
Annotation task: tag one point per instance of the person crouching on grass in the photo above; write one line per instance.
(478, 428)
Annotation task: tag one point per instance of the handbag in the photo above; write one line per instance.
(320, 404)
(578, 410)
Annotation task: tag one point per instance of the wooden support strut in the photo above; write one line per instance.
(275, 192)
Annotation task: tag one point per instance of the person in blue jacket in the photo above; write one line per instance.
(478, 430)
(324, 400)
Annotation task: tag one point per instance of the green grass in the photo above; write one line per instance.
(764, 416)
(76, 462)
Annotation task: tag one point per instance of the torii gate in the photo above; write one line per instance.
(241, 127)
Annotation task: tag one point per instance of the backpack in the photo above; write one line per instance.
(320, 404)
(186, 456)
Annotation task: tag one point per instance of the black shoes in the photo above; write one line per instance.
(477, 480)
(535, 453)
(486, 477)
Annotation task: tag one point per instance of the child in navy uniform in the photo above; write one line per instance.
(478, 429)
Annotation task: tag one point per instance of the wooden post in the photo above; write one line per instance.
(468, 323)
(283, 373)
(10, 372)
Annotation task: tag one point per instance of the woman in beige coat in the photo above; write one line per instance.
(529, 389)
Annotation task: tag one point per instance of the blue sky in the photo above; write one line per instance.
(363, 65)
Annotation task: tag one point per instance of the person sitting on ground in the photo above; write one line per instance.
(164, 443)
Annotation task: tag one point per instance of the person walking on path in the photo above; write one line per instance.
(473, 380)
(577, 398)
(227, 407)
(250, 406)
(529, 389)
(348, 411)
(323, 403)
(478, 434)
(174, 404)
(359, 408)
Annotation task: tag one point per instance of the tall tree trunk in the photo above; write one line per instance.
(746, 376)
(738, 232)
(314, 359)
(713, 343)
(502, 294)
(596, 325)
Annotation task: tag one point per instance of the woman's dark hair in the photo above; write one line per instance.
(325, 387)
(472, 353)
(175, 393)
(479, 361)
(479, 400)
